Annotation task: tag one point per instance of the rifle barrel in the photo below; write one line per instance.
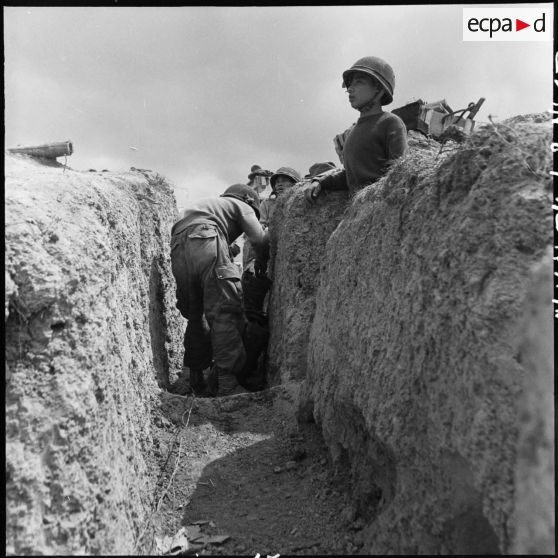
(47, 150)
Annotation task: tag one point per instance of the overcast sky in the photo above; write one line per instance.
(203, 93)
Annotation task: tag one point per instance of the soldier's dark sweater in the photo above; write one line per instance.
(372, 144)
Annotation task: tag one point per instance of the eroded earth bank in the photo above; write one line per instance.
(410, 407)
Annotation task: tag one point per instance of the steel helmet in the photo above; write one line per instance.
(378, 69)
(318, 168)
(244, 193)
(284, 171)
(256, 170)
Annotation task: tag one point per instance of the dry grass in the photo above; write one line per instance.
(509, 152)
(514, 150)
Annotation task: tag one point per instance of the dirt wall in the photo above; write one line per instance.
(412, 360)
(91, 332)
(535, 473)
(297, 251)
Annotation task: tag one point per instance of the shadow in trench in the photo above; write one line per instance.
(250, 475)
(158, 325)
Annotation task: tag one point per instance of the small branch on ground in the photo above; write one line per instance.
(179, 428)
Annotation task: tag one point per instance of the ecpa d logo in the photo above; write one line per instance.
(507, 24)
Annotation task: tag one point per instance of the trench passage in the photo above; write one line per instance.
(240, 475)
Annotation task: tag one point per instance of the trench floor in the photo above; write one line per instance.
(239, 476)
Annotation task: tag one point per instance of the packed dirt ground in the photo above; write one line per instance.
(240, 476)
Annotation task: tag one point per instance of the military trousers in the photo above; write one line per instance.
(209, 296)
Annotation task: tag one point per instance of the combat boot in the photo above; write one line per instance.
(222, 383)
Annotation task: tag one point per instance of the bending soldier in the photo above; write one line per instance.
(209, 292)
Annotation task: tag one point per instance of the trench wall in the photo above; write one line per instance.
(91, 334)
(413, 344)
(293, 301)
(534, 473)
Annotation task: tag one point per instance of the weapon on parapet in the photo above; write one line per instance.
(433, 119)
(47, 150)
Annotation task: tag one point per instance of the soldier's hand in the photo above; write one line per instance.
(312, 191)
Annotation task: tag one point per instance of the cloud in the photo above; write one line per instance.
(205, 92)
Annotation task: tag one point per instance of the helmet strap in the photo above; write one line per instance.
(372, 102)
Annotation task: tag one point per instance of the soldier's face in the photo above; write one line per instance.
(282, 183)
(361, 89)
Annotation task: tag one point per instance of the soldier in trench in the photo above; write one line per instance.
(255, 288)
(378, 138)
(258, 179)
(284, 178)
(320, 170)
(209, 291)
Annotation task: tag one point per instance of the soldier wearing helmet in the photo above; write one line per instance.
(257, 287)
(259, 178)
(377, 138)
(319, 168)
(284, 178)
(209, 292)
(281, 180)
